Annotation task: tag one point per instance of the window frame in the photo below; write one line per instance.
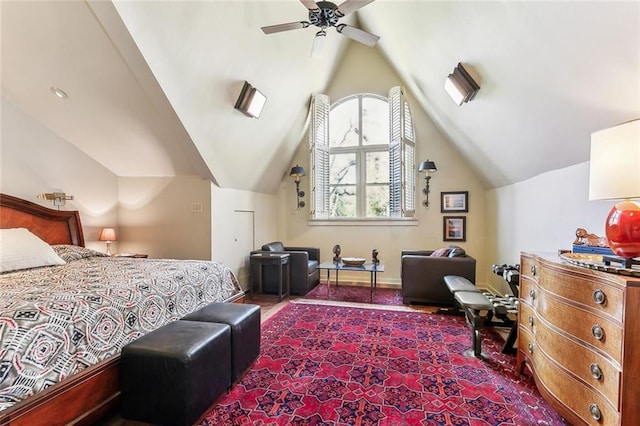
(360, 150)
(401, 144)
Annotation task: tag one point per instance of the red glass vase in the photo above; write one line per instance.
(623, 229)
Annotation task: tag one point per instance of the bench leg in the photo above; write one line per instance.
(511, 340)
(477, 343)
(475, 320)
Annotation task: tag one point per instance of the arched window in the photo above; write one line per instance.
(362, 157)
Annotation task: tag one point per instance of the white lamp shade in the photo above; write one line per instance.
(455, 90)
(318, 44)
(257, 103)
(251, 101)
(614, 171)
(107, 234)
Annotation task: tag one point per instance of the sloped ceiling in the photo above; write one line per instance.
(152, 84)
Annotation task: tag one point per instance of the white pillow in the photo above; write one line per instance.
(20, 249)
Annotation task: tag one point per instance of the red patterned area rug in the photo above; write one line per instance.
(357, 294)
(338, 365)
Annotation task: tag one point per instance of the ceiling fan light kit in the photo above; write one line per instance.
(325, 14)
(318, 44)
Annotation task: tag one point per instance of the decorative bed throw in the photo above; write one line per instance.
(58, 320)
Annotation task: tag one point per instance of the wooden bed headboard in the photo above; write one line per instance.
(52, 226)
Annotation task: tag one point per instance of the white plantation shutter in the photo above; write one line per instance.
(409, 179)
(395, 178)
(319, 149)
(401, 156)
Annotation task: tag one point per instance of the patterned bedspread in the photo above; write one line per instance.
(57, 320)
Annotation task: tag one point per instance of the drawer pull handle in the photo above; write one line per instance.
(532, 294)
(597, 332)
(533, 270)
(596, 372)
(531, 321)
(599, 297)
(595, 411)
(530, 347)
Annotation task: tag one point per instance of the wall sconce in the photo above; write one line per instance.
(58, 198)
(251, 101)
(426, 167)
(108, 235)
(297, 172)
(614, 174)
(460, 85)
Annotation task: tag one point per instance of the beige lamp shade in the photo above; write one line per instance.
(615, 162)
(108, 234)
(614, 175)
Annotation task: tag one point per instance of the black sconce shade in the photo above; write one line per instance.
(426, 167)
(297, 172)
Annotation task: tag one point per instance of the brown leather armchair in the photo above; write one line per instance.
(422, 276)
(303, 264)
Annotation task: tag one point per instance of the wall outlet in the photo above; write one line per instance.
(197, 208)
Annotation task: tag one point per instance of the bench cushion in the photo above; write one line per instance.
(473, 300)
(456, 283)
(244, 320)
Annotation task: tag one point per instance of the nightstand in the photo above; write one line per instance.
(281, 260)
(134, 255)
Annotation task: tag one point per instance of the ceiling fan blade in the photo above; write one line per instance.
(309, 4)
(351, 6)
(270, 29)
(358, 34)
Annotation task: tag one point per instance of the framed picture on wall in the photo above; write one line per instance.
(454, 202)
(454, 228)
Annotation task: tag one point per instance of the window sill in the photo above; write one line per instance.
(363, 222)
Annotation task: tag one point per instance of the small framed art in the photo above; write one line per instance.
(454, 202)
(454, 228)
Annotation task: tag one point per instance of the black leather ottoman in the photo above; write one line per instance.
(173, 374)
(244, 321)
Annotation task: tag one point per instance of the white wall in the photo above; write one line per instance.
(165, 217)
(541, 214)
(34, 160)
(241, 221)
(453, 175)
(152, 215)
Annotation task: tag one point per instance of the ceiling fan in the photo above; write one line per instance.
(324, 14)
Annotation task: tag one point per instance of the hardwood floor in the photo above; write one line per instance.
(269, 303)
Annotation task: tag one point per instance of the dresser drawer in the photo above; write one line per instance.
(594, 369)
(599, 332)
(578, 397)
(525, 346)
(528, 291)
(526, 316)
(594, 295)
(529, 267)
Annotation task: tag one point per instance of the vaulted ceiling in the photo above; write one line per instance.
(152, 85)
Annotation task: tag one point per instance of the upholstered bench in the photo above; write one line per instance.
(469, 297)
(173, 374)
(244, 320)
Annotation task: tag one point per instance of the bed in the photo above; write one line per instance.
(62, 326)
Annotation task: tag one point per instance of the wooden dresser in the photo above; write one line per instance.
(579, 335)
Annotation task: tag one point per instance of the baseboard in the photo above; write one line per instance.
(363, 284)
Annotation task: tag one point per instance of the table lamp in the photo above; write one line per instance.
(614, 174)
(108, 235)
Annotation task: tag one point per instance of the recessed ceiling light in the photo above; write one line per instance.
(59, 92)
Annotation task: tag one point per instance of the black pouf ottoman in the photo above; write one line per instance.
(173, 374)
(244, 321)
